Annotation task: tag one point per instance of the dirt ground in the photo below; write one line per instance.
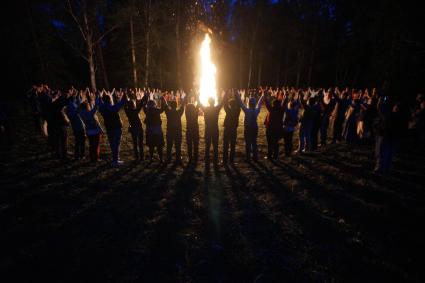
(321, 217)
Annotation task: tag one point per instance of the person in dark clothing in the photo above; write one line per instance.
(417, 118)
(274, 125)
(317, 122)
(290, 121)
(369, 116)
(132, 109)
(34, 103)
(341, 105)
(45, 102)
(306, 126)
(59, 125)
(192, 131)
(93, 129)
(327, 105)
(231, 123)
(113, 123)
(352, 116)
(251, 126)
(174, 129)
(154, 135)
(211, 114)
(77, 124)
(390, 129)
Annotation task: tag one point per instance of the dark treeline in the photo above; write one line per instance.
(154, 43)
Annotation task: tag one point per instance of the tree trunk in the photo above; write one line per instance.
(251, 50)
(260, 69)
(299, 68)
(102, 66)
(148, 42)
(240, 64)
(285, 79)
(133, 53)
(147, 59)
(178, 58)
(160, 73)
(90, 59)
(310, 67)
(90, 49)
(279, 66)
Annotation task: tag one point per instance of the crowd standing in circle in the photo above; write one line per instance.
(348, 115)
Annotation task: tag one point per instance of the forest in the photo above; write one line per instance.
(154, 43)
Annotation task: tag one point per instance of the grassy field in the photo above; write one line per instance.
(319, 217)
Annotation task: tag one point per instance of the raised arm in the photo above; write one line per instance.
(121, 102)
(243, 107)
(260, 103)
(199, 104)
(164, 105)
(267, 102)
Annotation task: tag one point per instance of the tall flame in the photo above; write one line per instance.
(207, 86)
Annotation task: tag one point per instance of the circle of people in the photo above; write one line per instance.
(349, 115)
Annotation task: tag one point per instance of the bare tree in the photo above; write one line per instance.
(83, 14)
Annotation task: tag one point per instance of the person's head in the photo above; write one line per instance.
(132, 104)
(396, 107)
(420, 97)
(211, 101)
(251, 103)
(190, 108)
(107, 99)
(311, 101)
(85, 106)
(151, 104)
(233, 103)
(173, 105)
(290, 104)
(276, 104)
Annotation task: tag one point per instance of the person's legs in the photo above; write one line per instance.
(63, 143)
(215, 146)
(324, 130)
(115, 145)
(379, 154)
(196, 146)
(92, 148)
(208, 139)
(387, 155)
(226, 142)
(233, 137)
(313, 139)
(170, 140)
(77, 145)
(301, 146)
(254, 136)
(159, 149)
(247, 144)
(178, 144)
(336, 131)
(288, 142)
(270, 143)
(189, 142)
(140, 144)
(151, 149)
(308, 140)
(83, 145)
(109, 134)
(134, 138)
